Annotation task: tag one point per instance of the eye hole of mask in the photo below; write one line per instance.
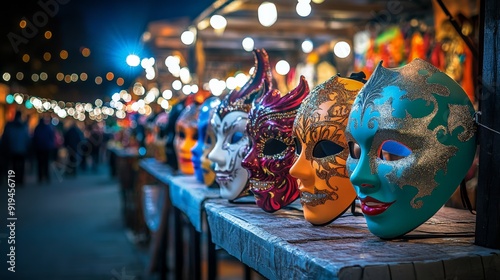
(236, 137)
(392, 150)
(326, 148)
(273, 147)
(298, 146)
(182, 135)
(209, 140)
(354, 150)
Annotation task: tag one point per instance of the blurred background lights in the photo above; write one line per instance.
(171, 61)
(303, 8)
(216, 86)
(167, 94)
(241, 79)
(115, 97)
(18, 98)
(63, 54)
(248, 44)
(184, 75)
(150, 73)
(342, 49)
(138, 89)
(282, 67)
(146, 63)
(86, 52)
(187, 37)
(6, 76)
(231, 83)
(307, 46)
(177, 85)
(9, 99)
(186, 89)
(218, 22)
(267, 14)
(28, 104)
(133, 60)
(164, 104)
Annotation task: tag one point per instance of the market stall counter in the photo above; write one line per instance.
(126, 165)
(186, 199)
(282, 245)
(188, 196)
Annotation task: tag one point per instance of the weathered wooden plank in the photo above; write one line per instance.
(351, 273)
(189, 196)
(403, 271)
(470, 267)
(491, 265)
(429, 270)
(282, 245)
(160, 171)
(379, 272)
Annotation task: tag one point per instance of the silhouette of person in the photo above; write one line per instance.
(15, 145)
(44, 143)
(73, 138)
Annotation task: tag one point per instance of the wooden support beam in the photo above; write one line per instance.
(488, 192)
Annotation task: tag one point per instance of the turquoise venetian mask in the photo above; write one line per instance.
(411, 137)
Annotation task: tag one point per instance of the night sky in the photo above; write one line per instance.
(110, 29)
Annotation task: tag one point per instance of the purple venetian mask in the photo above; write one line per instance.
(272, 151)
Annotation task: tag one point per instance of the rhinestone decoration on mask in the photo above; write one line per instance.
(417, 133)
(310, 124)
(272, 119)
(259, 82)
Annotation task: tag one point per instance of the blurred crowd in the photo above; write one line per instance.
(51, 148)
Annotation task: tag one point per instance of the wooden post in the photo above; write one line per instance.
(488, 191)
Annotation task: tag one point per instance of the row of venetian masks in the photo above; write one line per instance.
(401, 143)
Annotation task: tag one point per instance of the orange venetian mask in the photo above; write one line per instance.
(186, 136)
(321, 148)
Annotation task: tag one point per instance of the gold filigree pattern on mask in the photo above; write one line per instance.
(429, 154)
(460, 117)
(312, 126)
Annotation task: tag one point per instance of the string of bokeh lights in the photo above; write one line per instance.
(123, 102)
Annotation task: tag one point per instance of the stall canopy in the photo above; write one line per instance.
(217, 51)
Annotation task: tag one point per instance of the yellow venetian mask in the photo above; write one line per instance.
(321, 148)
(186, 136)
